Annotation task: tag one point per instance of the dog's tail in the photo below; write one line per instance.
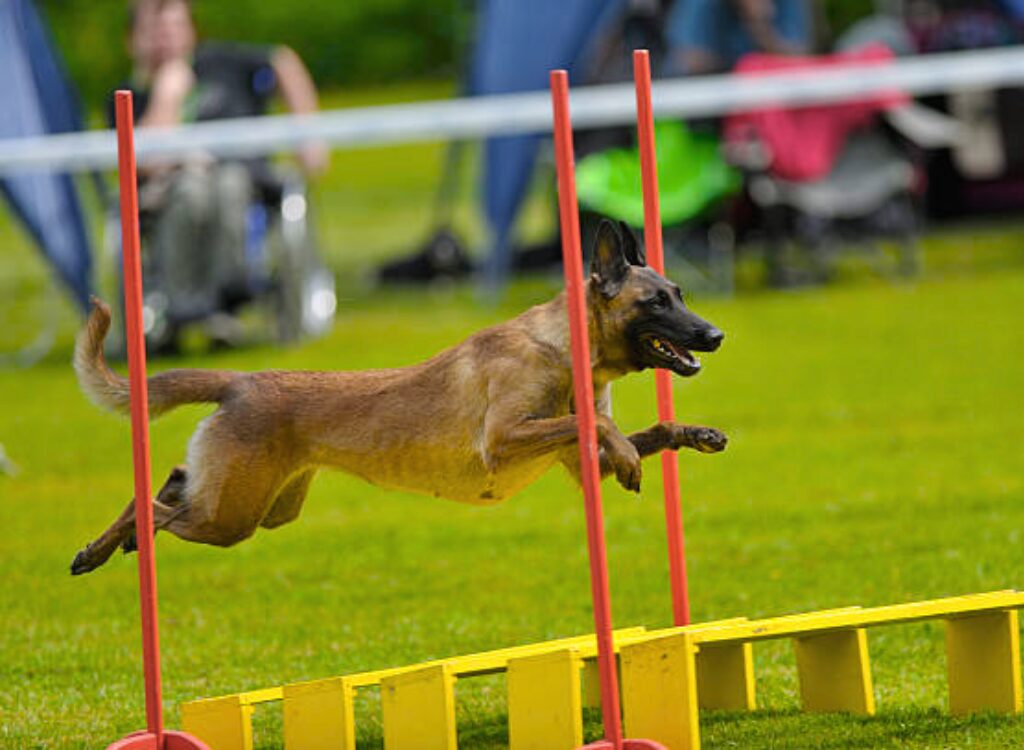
(108, 390)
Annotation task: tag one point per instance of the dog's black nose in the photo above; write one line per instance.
(714, 338)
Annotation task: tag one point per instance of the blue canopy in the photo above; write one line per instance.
(517, 43)
(38, 99)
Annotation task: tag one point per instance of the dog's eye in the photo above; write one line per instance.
(659, 301)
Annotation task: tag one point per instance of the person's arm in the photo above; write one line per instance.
(300, 96)
(171, 85)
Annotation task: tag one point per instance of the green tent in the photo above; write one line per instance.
(691, 176)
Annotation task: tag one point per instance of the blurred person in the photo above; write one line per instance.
(710, 36)
(195, 213)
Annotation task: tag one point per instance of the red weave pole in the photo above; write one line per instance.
(155, 737)
(662, 378)
(590, 471)
(140, 411)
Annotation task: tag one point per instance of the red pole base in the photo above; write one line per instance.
(626, 745)
(148, 741)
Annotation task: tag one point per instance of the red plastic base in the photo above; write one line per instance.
(147, 741)
(626, 745)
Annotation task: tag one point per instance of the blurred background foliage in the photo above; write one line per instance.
(345, 44)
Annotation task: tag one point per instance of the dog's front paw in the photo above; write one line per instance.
(706, 439)
(83, 562)
(628, 469)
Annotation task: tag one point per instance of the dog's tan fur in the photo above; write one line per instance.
(475, 424)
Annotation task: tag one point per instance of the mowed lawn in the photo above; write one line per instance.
(875, 457)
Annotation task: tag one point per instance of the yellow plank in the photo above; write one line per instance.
(588, 651)
(725, 677)
(222, 723)
(983, 663)
(319, 715)
(264, 695)
(545, 709)
(835, 672)
(794, 625)
(419, 709)
(659, 691)
(486, 662)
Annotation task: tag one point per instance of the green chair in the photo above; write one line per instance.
(692, 177)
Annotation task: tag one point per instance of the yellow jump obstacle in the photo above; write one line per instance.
(667, 676)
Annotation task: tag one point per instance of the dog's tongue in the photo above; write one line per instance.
(683, 354)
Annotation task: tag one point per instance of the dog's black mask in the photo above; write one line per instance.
(659, 329)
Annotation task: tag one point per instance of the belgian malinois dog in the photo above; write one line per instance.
(475, 424)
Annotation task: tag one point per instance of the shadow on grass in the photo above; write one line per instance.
(791, 729)
(486, 731)
(907, 727)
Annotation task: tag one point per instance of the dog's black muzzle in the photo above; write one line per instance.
(708, 339)
(668, 343)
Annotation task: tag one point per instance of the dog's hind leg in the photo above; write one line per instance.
(288, 503)
(99, 550)
(120, 533)
(171, 494)
(169, 508)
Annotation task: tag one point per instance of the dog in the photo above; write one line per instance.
(476, 423)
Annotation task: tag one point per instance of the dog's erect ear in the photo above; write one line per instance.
(632, 246)
(608, 267)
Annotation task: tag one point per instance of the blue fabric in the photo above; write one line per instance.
(1015, 8)
(39, 100)
(713, 26)
(517, 43)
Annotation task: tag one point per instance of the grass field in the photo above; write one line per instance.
(875, 457)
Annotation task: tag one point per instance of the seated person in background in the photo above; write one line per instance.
(195, 211)
(709, 36)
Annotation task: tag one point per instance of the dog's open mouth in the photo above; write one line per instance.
(675, 358)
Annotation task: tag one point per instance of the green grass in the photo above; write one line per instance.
(875, 458)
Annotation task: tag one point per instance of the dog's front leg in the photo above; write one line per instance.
(531, 438)
(673, 436)
(661, 437)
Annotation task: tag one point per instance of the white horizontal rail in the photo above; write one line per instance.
(509, 114)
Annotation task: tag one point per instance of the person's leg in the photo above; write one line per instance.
(234, 191)
(183, 243)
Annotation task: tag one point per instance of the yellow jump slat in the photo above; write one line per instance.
(419, 709)
(983, 663)
(835, 672)
(222, 723)
(544, 705)
(725, 677)
(659, 691)
(320, 715)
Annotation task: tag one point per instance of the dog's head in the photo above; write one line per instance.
(642, 320)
